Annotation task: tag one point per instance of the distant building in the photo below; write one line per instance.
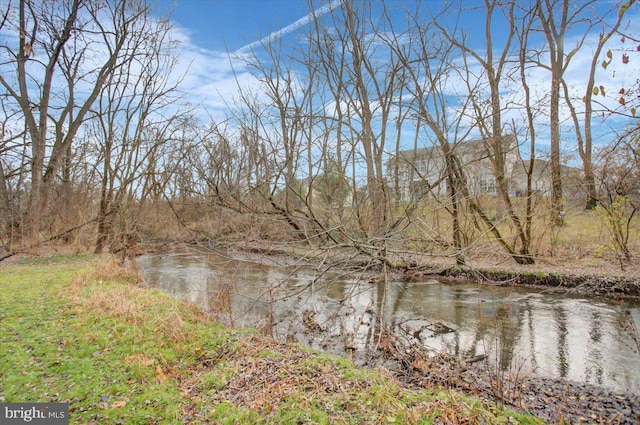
(419, 169)
(572, 179)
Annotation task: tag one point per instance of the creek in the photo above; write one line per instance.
(521, 331)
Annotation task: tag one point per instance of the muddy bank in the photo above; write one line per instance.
(555, 400)
(570, 277)
(611, 286)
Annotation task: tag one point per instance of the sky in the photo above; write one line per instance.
(213, 31)
(214, 28)
(222, 25)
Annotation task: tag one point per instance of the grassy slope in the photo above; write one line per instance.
(88, 334)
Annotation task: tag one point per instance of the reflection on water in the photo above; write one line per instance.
(518, 329)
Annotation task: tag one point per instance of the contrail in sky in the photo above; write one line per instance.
(292, 27)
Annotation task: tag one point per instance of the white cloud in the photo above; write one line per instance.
(305, 20)
(213, 78)
(210, 79)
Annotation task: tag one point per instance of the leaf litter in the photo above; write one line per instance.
(269, 377)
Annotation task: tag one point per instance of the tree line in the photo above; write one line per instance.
(101, 147)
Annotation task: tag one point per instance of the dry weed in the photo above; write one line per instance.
(118, 303)
(220, 303)
(171, 326)
(113, 271)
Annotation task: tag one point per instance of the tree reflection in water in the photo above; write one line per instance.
(516, 328)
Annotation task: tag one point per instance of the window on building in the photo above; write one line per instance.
(488, 185)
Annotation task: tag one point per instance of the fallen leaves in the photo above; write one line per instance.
(267, 373)
(140, 359)
(160, 374)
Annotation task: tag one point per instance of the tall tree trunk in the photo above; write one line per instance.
(557, 202)
(554, 25)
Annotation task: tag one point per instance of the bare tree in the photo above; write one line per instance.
(523, 32)
(365, 79)
(488, 119)
(584, 132)
(427, 62)
(136, 113)
(84, 42)
(312, 103)
(278, 131)
(556, 17)
(618, 175)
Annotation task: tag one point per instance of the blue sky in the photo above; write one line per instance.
(213, 30)
(232, 24)
(210, 29)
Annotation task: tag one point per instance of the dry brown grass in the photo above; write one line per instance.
(583, 245)
(118, 292)
(111, 269)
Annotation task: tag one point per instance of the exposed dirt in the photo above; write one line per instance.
(612, 285)
(595, 276)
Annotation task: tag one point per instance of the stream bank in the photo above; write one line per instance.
(576, 275)
(552, 399)
(557, 401)
(90, 334)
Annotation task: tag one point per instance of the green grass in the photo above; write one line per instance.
(92, 336)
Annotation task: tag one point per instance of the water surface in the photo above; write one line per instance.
(520, 330)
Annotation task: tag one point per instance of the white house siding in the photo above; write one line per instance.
(422, 167)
